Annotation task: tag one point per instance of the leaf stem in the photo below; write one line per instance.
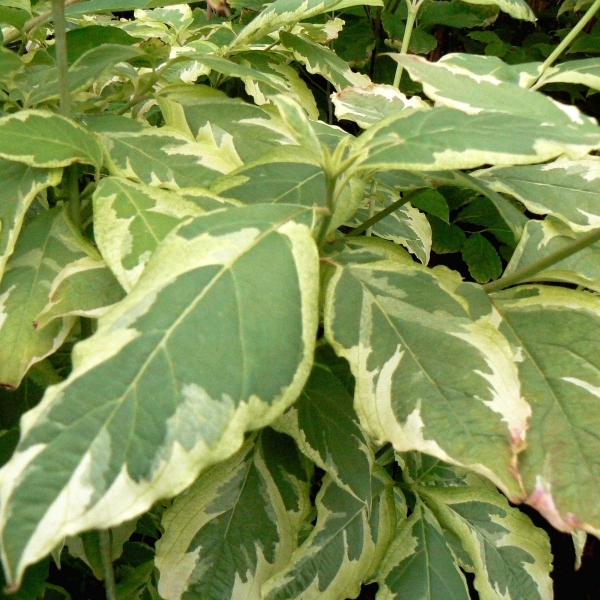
(413, 9)
(543, 263)
(591, 11)
(384, 213)
(322, 235)
(105, 555)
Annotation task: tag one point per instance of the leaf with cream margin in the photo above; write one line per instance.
(288, 12)
(47, 246)
(131, 219)
(368, 105)
(420, 564)
(320, 60)
(85, 288)
(325, 426)
(433, 373)
(519, 9)
(566, 189)
(406, 226)
(456, 87)
(19, 185)
(237, 525)
(45, 140)
(584, 72)
(542, 238)
(445, 138)
(167, 158)
(555, 333)
(216, 338)
(337, 555)
(508, 554)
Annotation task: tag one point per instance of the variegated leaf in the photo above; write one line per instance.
(432, 371)
(216, 338)
(509, 555)
(85, 288)
(556, 336)
(19, 185)
(281, 178)
(325, 426)
(166, 158)
(45, 140)
(322, 61)
(130, 220)
(519, 9)
(211, 116)
(406, 226)
(368, 105)
(337, 555)
(237, 524)
(584, 72)
(444, 138)
(419, 564)
(542, 238)
(456, 87)
(47, 246)
(288, 12)
(565, 189)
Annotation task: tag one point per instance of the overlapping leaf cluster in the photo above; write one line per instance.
(291, 409)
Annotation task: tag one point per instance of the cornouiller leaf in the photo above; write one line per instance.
(217, 338)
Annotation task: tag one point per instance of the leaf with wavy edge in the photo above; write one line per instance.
(433, 373)
(216, 338)
(237, 524)
(584, 72)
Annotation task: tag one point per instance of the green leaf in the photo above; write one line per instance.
(43, 139)
(21, 4)
(83, 72)
(82, 39)
(419, 563)
(325, 426)
(131, 219)
(406, 226)
(280, 178)
(542, 238)
(519, 9)
(433, 203)
(166, 158)
(481, 211)
(432, 371)
(46, 246)
(481, 258)
(443, 138)
(565, 189)
(456, 13)
(456, 87)
(19, 185)
(300, 128)
(334, 560)
(446, 238)
(584, 72)
(320, 60)
(216, 338)
(85, 288)
(368, 105)
(509, 555)
(555, 333)
(288, 12)
(226, 535)
(10, 64)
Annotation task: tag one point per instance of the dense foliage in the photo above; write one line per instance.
(286, 308)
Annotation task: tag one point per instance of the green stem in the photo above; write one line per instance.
(105, 555)
(413, 9)
(384, 213)
(372, 205)
(543, 263)
(591, 11)
(326, 222)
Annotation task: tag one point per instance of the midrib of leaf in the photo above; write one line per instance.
(551, 389)
(407, 346)
(160, 346)
(297, 186)
(237, 501)
(141, 214)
